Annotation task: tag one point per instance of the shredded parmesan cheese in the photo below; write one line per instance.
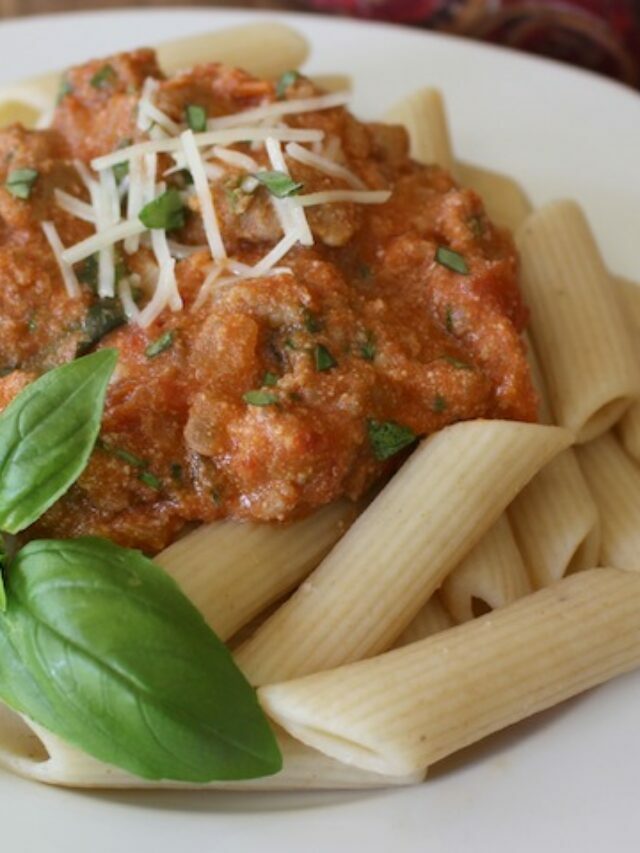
(323, 164)
(218, 137)
(292, 218)
(277, 253)
(98, 241)
(148, 113)
(131, 310)
(333, 196)
(280, 108)
(74, 206)
(233, 158)
(68, 275)
(207, 209)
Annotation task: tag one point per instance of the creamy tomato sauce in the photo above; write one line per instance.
(262, 400)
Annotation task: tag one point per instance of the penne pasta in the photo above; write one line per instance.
(232, 571)
(614, 480)
(490, 576)
(423, 116)
(35, 753)
(413, 706)
(578, 329)
(504, 199)
(629, 426)
(266, 49)
(556, 522)
(431, 619)
(372, 584)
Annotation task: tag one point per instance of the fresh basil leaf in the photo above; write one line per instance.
(270, 379)
(286, 80)
(196, 117)
(3, 564)
(452, 260)
(100, 646)
(279, 184)
(388, 438)
(20, 182)
(166, 211)
(46, 436)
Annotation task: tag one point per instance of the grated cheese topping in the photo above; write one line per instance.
(206, 156)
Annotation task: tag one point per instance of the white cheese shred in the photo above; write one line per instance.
(292, 214)
(323, 164)
(131, 310)
(68, 275)
(233, 158)
(219, 137)
(334, 196)
(279, 109)
(70, 204)
(98, 241)
(276, 254)
(201, 184)
(149, 114)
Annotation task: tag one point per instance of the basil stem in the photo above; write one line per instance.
(99, 645)
(47, 434)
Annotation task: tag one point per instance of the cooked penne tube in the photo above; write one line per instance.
(577, 325)
(556, 522)
(490, 576)
(431, 619)
(629, 426)
(505, 201)
(372, 584)
(614, 480)
(232, 571)
(266, 49)
(413, 706)
(424, 117)
(33, 752)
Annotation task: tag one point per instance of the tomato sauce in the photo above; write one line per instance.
(259, 401)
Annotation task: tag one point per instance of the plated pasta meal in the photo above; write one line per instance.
(319, 448)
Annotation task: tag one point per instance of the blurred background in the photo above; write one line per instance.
(601, 35)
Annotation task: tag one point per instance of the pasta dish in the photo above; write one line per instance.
(294, 452)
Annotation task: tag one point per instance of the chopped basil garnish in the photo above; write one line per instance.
(439, 404)
(368, 348)
(160, 345)
(286, 80)
(20, 182)
(176, 472)
(104, 316)
(64, 89)
(456, 362)
(311, 322)
(166, 211)
(129, 458)
(323, 359)
(260, 398)
(452, 260)
(476, 225)
(388, 438)
(448, 321)
(196, 118)
(279, 184)
(103, 77)
(270, 379)
(150, 480)
(364, 271)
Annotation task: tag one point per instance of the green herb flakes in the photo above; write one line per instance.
(196, 118)
(448, 319)
(64, 89)
(176, 472)
(260, 398)
(388, 438)
(286, 80)
(439, 404)
(311, 322)
(279, 184)
(160, 344)
(456, 362)
(368, 348)
(451, 260)
(20, 182)
(166, 211)
(104, 77)
(150, 480)
(323, 359)
(270, 379)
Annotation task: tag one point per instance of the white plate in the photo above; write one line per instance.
(567, 780)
